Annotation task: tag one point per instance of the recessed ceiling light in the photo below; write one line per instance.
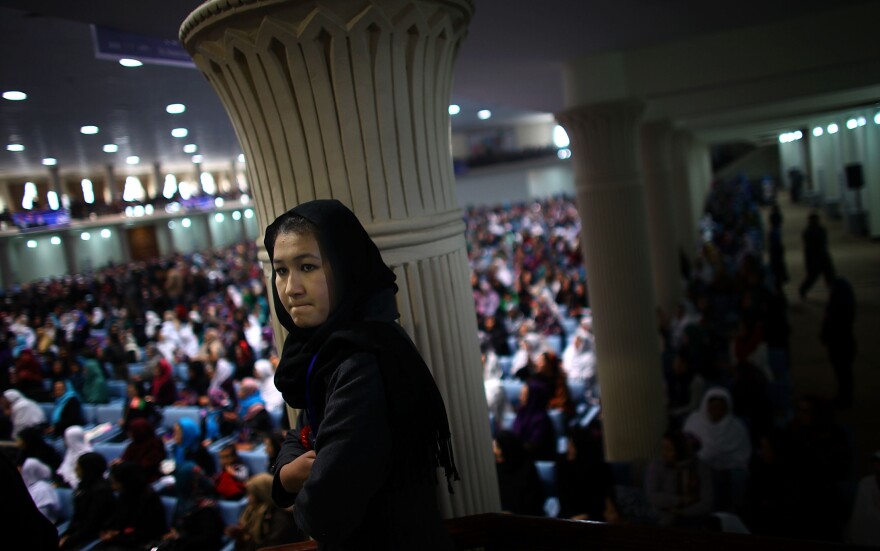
(130, 63)
(175, 108)
(454, 109)
(85, 236)
(186, 223)
(15, 147)
(197, 159)
(484, 114)
(31, 244)
(89, 129)
(241, 158)
(833, 128)
(190, 148)
(14, 95)
(133, 160)
(105, 233)
(50, 161)
(179, 132)
(111, 148)
(55, 240)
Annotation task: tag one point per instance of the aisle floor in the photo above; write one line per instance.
(858, 260)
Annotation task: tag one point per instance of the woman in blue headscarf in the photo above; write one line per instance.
(68, 408)
(188, 446)
(252, 414)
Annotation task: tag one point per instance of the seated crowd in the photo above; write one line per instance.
(182, 346)
(741, 451)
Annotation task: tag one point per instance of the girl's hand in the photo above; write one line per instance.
(294, 474)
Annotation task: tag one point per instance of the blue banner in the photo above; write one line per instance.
(113, 44)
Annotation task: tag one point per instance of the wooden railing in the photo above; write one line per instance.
(497, 532)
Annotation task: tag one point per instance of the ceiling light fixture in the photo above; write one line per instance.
(89, 129)
(484, 114)
(190, 148)
(818, 131)
(31, 244)
(55, 240)
(130, 62)
(179, 132)
(14, 95)
(105, 233)
(175, 108)
(454, 109)
(111, 148)
(50, 161)
(851, 124)
(15, 147)
(241, 156)
(833, 128)
(197, 159)
(133, 160)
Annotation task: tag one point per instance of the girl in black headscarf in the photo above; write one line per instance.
(361, 462)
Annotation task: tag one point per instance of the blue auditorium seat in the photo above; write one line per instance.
(47, 408)
(172, 414)
(256, 460)
(108, 413)
(65, 511)
(505, 363)
(558, 418)
(110, 450)
(136, 369)
(512, 390)
(231, 510)
(117, 389)
(547, 474)
(89, 413)
(170, 503)
(555, 343)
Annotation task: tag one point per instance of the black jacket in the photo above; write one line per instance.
(348, 501)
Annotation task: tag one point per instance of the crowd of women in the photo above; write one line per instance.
(196, 326)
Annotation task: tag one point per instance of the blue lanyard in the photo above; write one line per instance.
(313, 420)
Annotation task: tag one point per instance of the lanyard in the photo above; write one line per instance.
(313, 419)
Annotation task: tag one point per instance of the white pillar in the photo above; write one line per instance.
(350, 101)
(657, 163)
(682, 194)
(611, 202)
(111, 190)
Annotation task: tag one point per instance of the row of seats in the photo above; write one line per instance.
(230, 511)
(513, 389)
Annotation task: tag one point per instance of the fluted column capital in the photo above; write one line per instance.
(605, 138)
(337, 99)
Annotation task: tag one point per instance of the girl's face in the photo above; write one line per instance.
(302, 279)
(60, 389)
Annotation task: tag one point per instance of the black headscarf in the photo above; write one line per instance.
(362, 320)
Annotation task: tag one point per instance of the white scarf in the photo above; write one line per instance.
(725, 444)
(75, 440)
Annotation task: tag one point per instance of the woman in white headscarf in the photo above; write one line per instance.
(24, 411)
(724, 440)
(37, 476)
(265, 372)
(75, 441)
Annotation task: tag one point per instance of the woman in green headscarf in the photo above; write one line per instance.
(95, 385)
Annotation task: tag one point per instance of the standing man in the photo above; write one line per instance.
(816, 255)
(838, 335)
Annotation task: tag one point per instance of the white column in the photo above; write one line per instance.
(350, 101)
(6, 201)
(611, 202)
(682, 194)
(158, 179)
(657, 163)
(111, 190)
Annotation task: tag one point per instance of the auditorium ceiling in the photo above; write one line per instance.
(511, 63)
